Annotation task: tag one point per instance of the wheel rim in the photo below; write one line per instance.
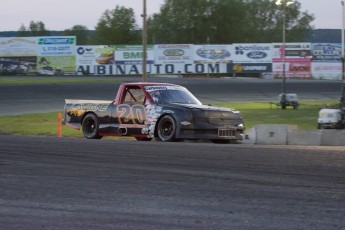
(167, 128)
(90, 126)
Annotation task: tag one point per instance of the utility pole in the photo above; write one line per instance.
(284, 4)
(342, 99)
(144, 37)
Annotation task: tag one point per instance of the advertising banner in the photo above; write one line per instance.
(56, 55)
(95, 55)
(161, 59)
(253, 53)
(133, 54)
(325, 52)
(18, 65)
(294, 68)
(297, 60)
(174, 69)
(292, 51)
(18, 47)
(250, 68)
(173, 54)
(326, 70)
(18, 55)
(86, 55)
(56, 46)
(213, 53)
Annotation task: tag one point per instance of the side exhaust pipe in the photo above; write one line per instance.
(123, 131)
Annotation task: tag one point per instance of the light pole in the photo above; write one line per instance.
(284, 4)
(144, 38)
(342, 100)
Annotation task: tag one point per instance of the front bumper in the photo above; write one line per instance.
(213, 134)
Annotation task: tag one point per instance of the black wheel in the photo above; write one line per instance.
(90, 127)
(166, 129)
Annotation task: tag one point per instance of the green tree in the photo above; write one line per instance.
(117, 26)
(180, 21)
(227, 21)
(265, 21)
(81, 32)
(22, 32)
(198, 21)
(34, 29)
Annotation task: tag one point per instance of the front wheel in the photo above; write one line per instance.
(90, 127)
(166, 129)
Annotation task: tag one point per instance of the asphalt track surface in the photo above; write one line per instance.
(74, 183)
(21, 99)
(51, 183)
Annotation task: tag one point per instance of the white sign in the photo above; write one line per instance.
(326, 70)
(19, 47)
(173, 54)
(56, 46)
(292, 50)
(253, 53)
(133, 54)
(213, 53)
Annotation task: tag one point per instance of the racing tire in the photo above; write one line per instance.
(90, 127)
(319, 126)
(166, 129)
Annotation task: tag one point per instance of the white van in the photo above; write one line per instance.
(330, 118)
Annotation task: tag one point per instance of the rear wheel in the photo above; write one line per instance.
(166, 129)
(90, 127)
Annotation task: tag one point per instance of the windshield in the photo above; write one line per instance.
(171, 94)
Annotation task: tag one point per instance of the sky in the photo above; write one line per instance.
(64, 14)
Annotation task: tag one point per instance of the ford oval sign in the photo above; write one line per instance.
(256, 55)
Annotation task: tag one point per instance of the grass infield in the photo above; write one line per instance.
(253, 113)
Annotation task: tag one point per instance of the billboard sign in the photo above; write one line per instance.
(56, 55)
(253, 53)
(327, 70)
(133, 54)
(173, 54)
(213, 53)
(18, 47)
(325, 52)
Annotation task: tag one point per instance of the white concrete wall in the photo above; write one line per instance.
(304, 137)
(267, 134)
(271, 134)
(333, 137)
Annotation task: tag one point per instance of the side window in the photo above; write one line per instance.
(134, 95)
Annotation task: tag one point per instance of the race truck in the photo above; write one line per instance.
(167, 112)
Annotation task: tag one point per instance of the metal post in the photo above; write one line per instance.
(342, 99)
(284, 41)
(144, 37)
(284, 4)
